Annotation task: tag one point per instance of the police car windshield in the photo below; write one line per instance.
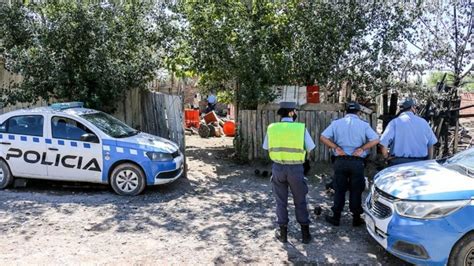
(462, 162)
(110, 125)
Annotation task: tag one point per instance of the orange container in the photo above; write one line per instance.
(210, 117)
(229, 128)
(191, 118)
(312, 94)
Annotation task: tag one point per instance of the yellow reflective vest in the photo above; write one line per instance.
(286, 142)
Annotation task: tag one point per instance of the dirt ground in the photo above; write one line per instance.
(220, 213)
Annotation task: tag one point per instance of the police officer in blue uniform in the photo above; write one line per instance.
(283, 142)
(409, 137)
(350, 138)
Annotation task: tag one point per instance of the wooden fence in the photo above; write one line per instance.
(155, 113)
(252, 127)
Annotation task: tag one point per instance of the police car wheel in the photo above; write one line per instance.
(127, 180)
(6, 178)
(463, 251)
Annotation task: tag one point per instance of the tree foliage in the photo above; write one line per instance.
(442, 36)
(72, 50)
(253, 45)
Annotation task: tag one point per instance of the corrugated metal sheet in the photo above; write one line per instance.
(467, 99)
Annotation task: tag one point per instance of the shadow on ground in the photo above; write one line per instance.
(221, 205)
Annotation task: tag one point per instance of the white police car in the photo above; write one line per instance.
(423, 212)
(68, 142)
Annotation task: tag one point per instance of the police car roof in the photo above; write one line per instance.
(49, 110)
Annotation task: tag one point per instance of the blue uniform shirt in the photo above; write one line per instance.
(408, 135)
(350, 133)
(308, 141)
(212, 99)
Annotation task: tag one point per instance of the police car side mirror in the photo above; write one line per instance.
(88, 137)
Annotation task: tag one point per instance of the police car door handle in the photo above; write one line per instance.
(53, 149)
(5, 143)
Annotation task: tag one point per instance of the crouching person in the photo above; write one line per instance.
(287, 143)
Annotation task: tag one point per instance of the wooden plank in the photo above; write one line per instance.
(373, 152)
(162, 115)
(317, 133)
(264, 114)
(248, 116)
(144, 118)
(258, 143)
(321, 127)
(245, 135)
(240, 131)
(327, 122)
(154, 105)
(254, 134)
(171, 117)
(271, 116)
(159, 113)
(179, 116)
(307, 107)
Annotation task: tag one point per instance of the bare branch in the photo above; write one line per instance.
(416, 46)
(466, 73)
(467, 37)
(447, 30)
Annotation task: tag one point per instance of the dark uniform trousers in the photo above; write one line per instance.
(292, 176)
(348, 175)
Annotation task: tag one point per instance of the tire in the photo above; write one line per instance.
(463, 251)
(127, 179)
(6, 178)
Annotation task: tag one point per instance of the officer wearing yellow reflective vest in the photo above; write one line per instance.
(287, 143)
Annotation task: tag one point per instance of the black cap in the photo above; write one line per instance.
(353, 106)
(408, 103)
(288, 105)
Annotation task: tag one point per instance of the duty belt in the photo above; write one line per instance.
(350, 158)
(410, 158)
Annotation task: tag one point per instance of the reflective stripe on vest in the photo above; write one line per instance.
(286, 143)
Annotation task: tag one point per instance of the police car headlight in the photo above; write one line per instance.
(159, 156)
(428, 209)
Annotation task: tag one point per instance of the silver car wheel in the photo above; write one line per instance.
(469, 260)
(127, 181)
(2, 175)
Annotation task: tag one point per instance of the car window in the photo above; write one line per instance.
(65, 128)
(3, 127)
(110, 125)
(463, 161)
(31, 125)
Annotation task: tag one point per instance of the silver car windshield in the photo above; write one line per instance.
(462, 162)
(110, 125)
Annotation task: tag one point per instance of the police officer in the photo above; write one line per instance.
(350, 138)
(287, 143)
(409, 137)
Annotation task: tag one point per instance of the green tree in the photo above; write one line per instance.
(68, 50)
(443, 36)
(436, 76)
(249, 46)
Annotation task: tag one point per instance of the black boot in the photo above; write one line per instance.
(306, 236)
(335, 219)
(357, 220)
(282, 234)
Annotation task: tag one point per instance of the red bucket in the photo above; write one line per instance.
(229, 128)
(191, 118)
(312, 94)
